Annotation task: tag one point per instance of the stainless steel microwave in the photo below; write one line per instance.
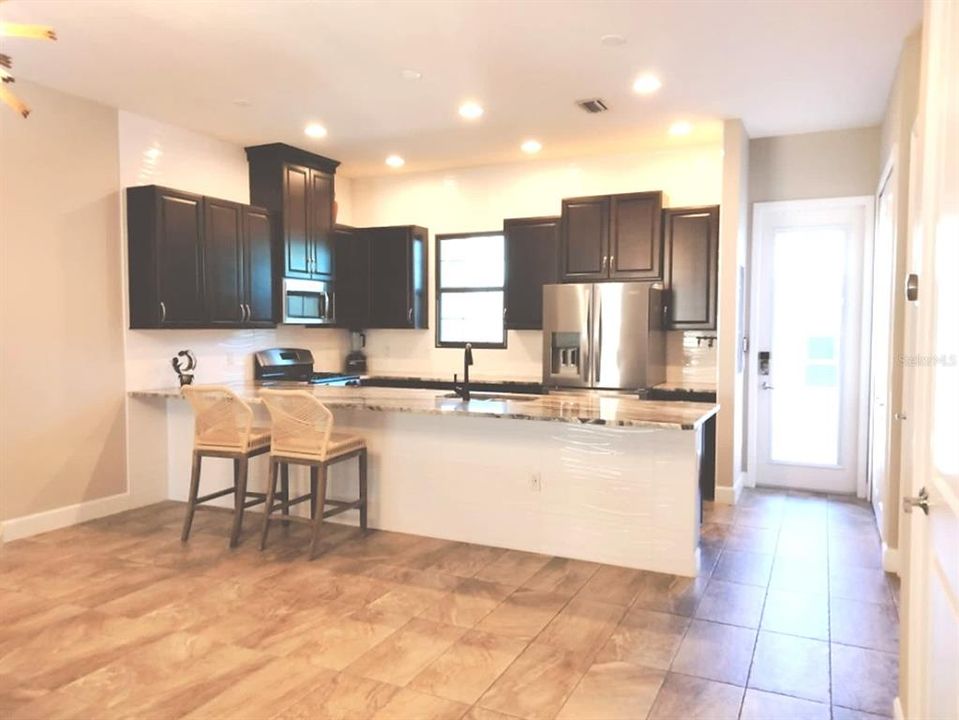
(308, 302)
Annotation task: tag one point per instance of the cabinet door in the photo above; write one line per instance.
(297, 240)
(352, 278)
(258, 266)
(635, 247)
(390, 278)
(222, 261)
(321, 223)
(691, 267)
(179, 259)
(532, 260)
(585, 244)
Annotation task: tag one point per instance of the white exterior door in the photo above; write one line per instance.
(809, 255)
(930, 655)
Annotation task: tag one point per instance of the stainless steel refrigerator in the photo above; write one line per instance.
(604, 335)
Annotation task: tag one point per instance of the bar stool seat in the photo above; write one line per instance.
(302, 434)
(259, 438)
(224, 429)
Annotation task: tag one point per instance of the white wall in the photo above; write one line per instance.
(478, 199)
(61, 356)
(151, 152)
(894, 150)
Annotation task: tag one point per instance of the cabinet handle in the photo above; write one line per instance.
(162, 312)
(605, 262)
(249, 312)
(410, 315)
(612, 261)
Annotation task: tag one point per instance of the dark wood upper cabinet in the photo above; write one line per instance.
(223, 261)
(612, 237)
(297, 186)
(321, 223)
(296, 222)
(532, 260)
(165, 254)
(585, 239)
(398, 268)
(635, 240)
(352, 248)
(258, 267)
(197, 261)
(691, 242)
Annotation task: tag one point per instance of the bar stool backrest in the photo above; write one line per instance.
(302, 425)
(223, 419)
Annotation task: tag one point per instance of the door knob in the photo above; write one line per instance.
(922, 502)
(767, 386)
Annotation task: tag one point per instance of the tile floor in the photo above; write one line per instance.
(792, 617)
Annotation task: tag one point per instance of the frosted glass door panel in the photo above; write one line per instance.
(807, 330)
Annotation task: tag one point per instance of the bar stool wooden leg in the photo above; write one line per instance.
(194, 492)
(239, 498)
(313, 480)
(362, 459)
(270, 492)
(320, 503)
(286, 492)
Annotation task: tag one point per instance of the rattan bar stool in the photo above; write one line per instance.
(303, 435)
(224, 429)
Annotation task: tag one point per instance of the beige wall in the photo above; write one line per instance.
(61, 340)
(836, 163)
(733, 235)
(894, 150)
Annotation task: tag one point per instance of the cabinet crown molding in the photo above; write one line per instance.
(281, 152)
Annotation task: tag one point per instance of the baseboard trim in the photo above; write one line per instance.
(890, 559)
(22, 527)
(726, 495)
(897, 713)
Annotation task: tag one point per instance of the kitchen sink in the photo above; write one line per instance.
(494, 397)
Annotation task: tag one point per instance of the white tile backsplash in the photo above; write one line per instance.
(689, 356)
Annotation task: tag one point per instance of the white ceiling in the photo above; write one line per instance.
(783, 66)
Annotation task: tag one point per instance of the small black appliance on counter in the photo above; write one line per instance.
(356, 359)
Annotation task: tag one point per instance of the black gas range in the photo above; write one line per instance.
(294, 365)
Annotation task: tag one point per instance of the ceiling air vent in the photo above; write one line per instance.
(592, 106)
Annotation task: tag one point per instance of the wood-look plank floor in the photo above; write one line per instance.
(792, 616)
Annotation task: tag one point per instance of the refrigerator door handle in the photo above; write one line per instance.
(587, 359)
(598, 345)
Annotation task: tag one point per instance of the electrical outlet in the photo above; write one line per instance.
(535, 482)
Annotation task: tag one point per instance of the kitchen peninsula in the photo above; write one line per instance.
(601, 477)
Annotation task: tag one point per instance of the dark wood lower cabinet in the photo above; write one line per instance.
(197, 262)
(532, 260)
(691, 243)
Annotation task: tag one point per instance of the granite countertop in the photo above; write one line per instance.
(583, 407)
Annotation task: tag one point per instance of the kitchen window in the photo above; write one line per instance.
(470, 293)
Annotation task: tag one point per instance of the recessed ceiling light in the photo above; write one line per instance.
(612, 40)
(395, 161)
(680, 127)
(471, 110)
(646, 84)
(411, 74)
(531, 147)
(315, 130)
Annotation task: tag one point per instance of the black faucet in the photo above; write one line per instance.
(464, 390)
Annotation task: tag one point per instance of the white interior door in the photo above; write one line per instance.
(809, 322)
(880, 373)
(930, 655)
